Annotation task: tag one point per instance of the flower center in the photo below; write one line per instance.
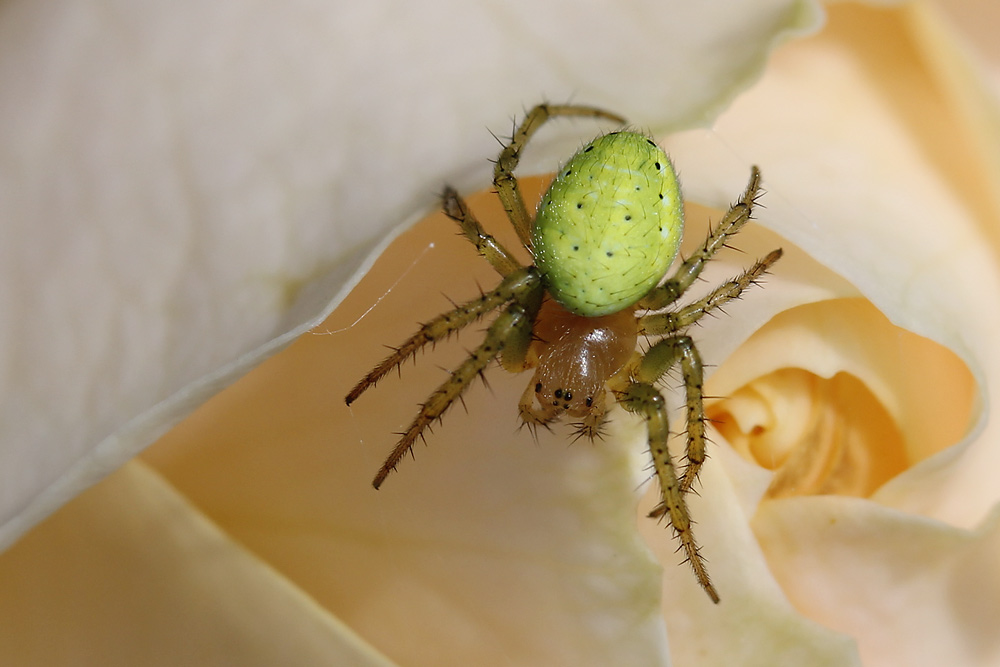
(818, 435)
(835, 399)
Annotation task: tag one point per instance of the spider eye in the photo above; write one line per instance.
(558, 393)
(569, 396)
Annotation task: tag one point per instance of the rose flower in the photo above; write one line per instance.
(189, 188)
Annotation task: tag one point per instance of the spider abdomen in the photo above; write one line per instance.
(578, 355)
(610, 224)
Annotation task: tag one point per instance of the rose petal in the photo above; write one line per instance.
(956, 41)
(923, 389)
(130, 572)
(912, 591)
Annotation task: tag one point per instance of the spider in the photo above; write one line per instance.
(603, 237)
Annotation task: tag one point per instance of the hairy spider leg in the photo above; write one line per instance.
(504, 180)
(507, 326)
(653, 365)
(660, 324)
(442, 326)
(655, 324)
(738, 215)
(643, 399)
(493, 251)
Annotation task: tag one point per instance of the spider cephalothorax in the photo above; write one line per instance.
(603, 237)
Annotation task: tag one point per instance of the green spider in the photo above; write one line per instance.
(604, 235)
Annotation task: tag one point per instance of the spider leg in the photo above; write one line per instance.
(492, 250)
(503, 173)
(654, 364)
(667, 323)
(439, 401)
(737, 216)
(521, 281)
(517, 353)
(643, 399)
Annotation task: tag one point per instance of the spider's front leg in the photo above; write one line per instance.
(668, 323)
(488, 247)
(503, 173)
(643, 398)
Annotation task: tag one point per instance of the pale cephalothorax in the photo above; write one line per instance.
(604, 236)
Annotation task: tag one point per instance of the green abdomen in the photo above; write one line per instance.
(610, 225)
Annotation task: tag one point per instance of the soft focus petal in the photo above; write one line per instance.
(913, 591)
(958, 42)
(174, 174)
(132, 574)
(839, 371)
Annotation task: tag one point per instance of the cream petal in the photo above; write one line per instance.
(923, 388)
(957, 42)
(132, 573)
(913, 591)
(754, 624)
